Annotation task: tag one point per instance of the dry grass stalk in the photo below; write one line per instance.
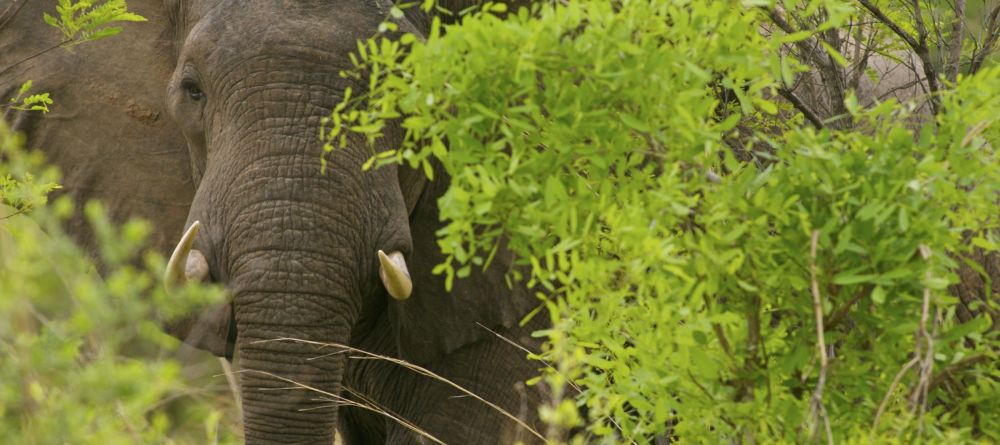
(415, 368)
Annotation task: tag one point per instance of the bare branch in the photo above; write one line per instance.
(992, 34)
(885, 20)
(802, 107)
(918, 44)
(956, 367)
(957, 31)
(816, 402)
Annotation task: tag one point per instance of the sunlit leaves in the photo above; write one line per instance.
(84, 357)
(30, 102)
(676, 270)
(86, 20)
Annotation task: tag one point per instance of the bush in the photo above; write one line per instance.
(715, 271)
(85, 360)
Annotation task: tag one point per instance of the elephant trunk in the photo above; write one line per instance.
(288, 387)
(298, 255)
(286, 301)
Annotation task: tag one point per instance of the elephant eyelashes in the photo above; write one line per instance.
(192, 89)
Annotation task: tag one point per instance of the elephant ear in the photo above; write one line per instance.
(434, 322)
(212, 330)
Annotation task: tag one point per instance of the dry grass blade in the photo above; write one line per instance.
(419, 370)
(548, 365)
(227, 369)
(341, 401)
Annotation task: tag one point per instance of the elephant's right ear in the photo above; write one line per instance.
(210, 330)
(435, 322)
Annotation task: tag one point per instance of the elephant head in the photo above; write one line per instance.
(306, 253)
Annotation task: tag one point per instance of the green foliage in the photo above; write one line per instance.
(85, 360)
(21, 190)
(677, 265)
(32, 102)
(87, 20)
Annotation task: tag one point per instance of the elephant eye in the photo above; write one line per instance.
(192, 89)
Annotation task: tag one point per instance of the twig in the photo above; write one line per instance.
(957, 29)
(992, 34)
(918, 397)
(58, 45)
(892, 388)
(802, 107)
(918, 44)
(14, 214)
(919, 393)
(956, 367)
(227, 369)
(841, 313)
(816, 402)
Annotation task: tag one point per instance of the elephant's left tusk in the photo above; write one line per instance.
(195, 267)
(394, 275)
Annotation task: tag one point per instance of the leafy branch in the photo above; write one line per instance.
(32, 102)
(84, 21)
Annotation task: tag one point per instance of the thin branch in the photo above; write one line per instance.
(885, 20)
(14, 214)
(956, 367)
(992, 34)
(918, 44)
(892, 389)
(816, 402)
(802, 107)
(919, 393)
(841, 313)
(58, 45)
(957, 31)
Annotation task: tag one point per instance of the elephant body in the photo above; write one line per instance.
(209, 113)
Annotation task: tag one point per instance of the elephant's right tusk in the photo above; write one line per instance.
(394, 275)
(195, 267)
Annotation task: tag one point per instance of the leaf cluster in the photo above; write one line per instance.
(87, 20)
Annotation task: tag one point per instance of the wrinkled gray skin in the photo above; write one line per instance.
(234, 137)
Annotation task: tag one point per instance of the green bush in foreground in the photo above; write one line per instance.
(791, 287)
(84, 359)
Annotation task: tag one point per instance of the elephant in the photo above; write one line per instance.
(204, 121)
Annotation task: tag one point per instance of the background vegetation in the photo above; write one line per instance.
(738, 235)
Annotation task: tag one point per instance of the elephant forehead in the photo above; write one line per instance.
(237, 26)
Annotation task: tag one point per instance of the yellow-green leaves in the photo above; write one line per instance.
(661, 199)
(30, 102)
(86, 20)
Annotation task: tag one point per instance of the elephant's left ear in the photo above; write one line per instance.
(434, 322)
(210, 330)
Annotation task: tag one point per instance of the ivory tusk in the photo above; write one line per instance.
(394, 275)
(186, 264)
